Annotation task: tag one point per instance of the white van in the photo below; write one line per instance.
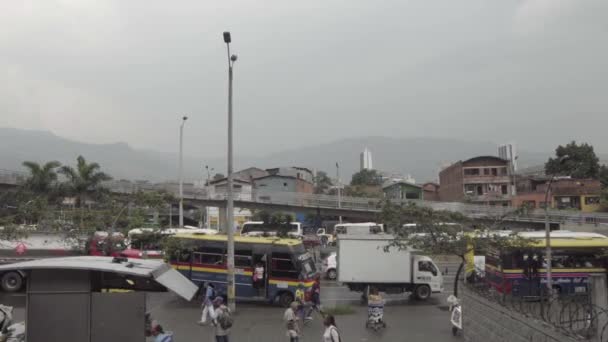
(358, 228)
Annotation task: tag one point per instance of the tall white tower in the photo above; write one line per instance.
(508, 152)
(365, 159)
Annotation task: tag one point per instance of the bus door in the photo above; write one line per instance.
(260, 273)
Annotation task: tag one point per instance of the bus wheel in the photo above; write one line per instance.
(285, 299)
(332, 274)
(422, 292)
(11, 282)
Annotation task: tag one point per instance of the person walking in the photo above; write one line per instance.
(331, 333)
(209, 295)
(291, 321)
(222, 319)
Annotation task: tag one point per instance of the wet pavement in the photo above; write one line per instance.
(407, 319)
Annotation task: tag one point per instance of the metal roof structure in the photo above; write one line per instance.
(146, 268)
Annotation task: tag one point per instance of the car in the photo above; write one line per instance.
(325, 238)
(330, 266)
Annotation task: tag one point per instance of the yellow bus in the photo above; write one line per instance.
(286, 265)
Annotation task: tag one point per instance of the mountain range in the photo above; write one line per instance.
(420, 157)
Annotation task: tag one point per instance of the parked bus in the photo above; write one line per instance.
(521, 271)
(287, 265)
(259, 228)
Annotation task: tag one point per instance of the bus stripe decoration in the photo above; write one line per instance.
(572, 314)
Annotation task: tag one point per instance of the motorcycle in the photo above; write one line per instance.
(10, 332)
(456, 314)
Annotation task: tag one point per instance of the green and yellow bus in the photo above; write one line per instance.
(521, 271)
(286, 264)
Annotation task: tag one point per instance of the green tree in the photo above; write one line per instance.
(322, 182)
(440, 232)
(604, 176)
(366, 177)
(580, 161)
(84, 180)
(42, 178)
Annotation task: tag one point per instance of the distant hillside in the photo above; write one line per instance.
(420, 157)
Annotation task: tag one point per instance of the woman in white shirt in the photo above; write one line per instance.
(331, 333)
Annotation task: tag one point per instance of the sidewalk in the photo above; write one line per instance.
(263, 323)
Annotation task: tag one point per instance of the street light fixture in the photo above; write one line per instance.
(339, 190)
(229, 197)
(548, 251)
(181, 176)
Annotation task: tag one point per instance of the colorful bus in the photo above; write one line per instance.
(286, 265)
(521, 271)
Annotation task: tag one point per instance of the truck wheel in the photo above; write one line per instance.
(285, 299)
(422, 292)
(11, 282)
(332, 274)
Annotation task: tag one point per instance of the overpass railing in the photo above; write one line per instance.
(368, 204)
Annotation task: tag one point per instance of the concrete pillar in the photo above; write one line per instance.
(221, 220)
(599, 298)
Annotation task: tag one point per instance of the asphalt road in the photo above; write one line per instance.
(407, 319)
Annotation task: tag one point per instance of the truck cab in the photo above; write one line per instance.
(426, 272)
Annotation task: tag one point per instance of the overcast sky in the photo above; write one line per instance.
(530, 71)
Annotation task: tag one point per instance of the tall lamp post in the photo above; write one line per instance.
(229, 199)
(181, 176)
(548, 251)
(208, 221)
(339, 190)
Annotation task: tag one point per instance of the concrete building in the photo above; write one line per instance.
(566, 193)
(430, 191)
(365, 160)
(483, 180)
(402, 190)
(293, 179)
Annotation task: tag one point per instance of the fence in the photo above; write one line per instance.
(574, 316)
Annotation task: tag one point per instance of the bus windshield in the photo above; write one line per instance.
(307, 265)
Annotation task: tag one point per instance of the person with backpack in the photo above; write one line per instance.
(209, 295)
(222, 319)
(291, 320)
(331, 333)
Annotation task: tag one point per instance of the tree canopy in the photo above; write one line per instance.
(322, 182)
(575, 160)
(366, 177)
(42, 178)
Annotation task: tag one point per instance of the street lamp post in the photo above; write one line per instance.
(207, 220)
(181, 176)
(229, 197)
(339, 190)
(548, 250)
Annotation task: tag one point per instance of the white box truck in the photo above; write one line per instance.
(363, 263)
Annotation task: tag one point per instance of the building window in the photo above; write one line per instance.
(529, 204)
(486, 172)
(471, 172)
(504, 189)
(494, 171)
(412, 195)
(479, 190)
(592, 200)
(503, 171)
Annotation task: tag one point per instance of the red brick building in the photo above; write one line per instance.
(483, 180)
(430, 191)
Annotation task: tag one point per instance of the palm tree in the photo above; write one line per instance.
(42, 178)
(83, 180)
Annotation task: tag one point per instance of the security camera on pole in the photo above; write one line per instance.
(229, 198)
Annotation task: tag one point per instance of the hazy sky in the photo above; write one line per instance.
(530, 71)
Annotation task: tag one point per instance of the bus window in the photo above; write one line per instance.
(209, 256)
(283, 267)
(242, 261)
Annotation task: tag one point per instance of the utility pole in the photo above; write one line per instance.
(181, 176)
(229, 198)
(339, 190)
